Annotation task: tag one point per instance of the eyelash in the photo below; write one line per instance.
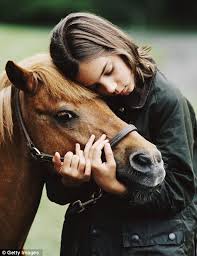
(95, 87)
(110, 71)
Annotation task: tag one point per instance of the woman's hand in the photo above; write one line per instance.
(104, 173)
(76, 168)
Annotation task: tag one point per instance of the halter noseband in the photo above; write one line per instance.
(43, 157)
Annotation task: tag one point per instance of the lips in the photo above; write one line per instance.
(126, 93)
(123, 92)
(120, 92)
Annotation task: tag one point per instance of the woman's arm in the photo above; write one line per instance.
(58, 193)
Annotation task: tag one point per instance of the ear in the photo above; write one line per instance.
(21, 78)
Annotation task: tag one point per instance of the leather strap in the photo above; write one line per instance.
(115, 140)
(43, 157)
(77, 206)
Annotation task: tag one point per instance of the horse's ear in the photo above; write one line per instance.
(21, 78)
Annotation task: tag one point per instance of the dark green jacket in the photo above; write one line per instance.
(164, 226)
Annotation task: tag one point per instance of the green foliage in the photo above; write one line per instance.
(149, 12)
(40, 12)
(141, 13)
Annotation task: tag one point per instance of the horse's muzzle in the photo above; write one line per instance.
(146, 169)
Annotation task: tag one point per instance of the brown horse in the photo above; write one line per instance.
(57, 113)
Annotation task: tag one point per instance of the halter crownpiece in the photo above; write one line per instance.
(43, 157)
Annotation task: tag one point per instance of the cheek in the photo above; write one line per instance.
(124, 76)
(124, 71)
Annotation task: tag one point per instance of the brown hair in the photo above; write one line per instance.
(81, 36)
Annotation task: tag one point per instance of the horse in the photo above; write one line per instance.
(42, 111)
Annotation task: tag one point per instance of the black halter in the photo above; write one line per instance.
(43, 157)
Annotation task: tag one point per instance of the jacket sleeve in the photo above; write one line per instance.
(58, 193)
(172, 127)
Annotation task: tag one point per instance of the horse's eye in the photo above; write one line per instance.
(65, 116)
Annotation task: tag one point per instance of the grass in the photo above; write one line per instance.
(17, 42)
(45, 233)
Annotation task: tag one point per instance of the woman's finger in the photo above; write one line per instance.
(57, 161)
(77, 148)
(67, 160)
(88, 146)
(95, 145)
(97, 151)
(109, 156)
(74, 163)
(87, 173)
(82, 161)
(100, 140)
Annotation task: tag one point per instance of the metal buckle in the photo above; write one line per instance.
(78, 204)
(97, 195)
(81, 206)
(35, 153)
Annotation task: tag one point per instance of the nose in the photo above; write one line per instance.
(109, 85)
(144, 161)
(147, 168)
(110, 88)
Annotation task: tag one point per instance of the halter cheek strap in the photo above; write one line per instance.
(77, 206)
(123, 133)
(43, 157)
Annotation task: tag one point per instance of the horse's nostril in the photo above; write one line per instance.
(158, 157)
(142, 159)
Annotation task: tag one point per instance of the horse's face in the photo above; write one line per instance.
(58, 122)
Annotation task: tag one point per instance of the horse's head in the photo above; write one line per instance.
(59, 113)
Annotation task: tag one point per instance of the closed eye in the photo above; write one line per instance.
(109, 69)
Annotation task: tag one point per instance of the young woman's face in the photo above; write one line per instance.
(108, 75)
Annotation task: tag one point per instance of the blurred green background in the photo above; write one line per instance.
(173, 38)
(169, 13)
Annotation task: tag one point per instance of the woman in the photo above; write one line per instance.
(92, 51)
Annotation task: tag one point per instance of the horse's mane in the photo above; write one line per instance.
(55, 84)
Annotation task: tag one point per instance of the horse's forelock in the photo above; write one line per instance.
(55, 83)
(60, 87)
